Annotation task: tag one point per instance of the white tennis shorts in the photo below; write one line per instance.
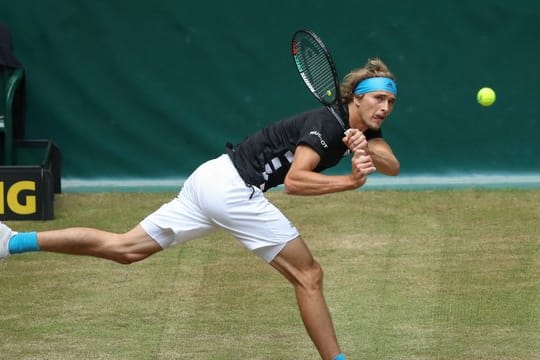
(213, 197)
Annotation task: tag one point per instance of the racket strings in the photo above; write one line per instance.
(319, 74)
(317, 69)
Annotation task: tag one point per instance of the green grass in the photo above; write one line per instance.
(408, 275)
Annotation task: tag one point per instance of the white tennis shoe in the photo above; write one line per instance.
(5, 234)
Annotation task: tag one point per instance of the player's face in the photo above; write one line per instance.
(374, 107)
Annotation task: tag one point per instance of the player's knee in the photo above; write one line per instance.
(124, 251)
(312, 277)
(128, 258)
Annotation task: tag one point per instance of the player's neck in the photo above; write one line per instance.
(355, 121)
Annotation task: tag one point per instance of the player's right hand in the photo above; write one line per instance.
(362, 165)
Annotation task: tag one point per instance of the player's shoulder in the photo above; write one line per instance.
(318, 113)
(322, 119)
(315, 120)
(320, 128)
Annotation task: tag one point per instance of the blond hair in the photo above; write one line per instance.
(373, 68)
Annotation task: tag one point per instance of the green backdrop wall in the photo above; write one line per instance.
(151, 89)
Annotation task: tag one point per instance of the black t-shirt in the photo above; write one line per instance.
(264, 158)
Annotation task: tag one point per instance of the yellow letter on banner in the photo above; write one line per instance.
(13, 202)
(2, 198)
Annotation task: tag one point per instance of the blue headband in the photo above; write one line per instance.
(376, 84)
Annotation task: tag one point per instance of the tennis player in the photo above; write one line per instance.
(228, 192)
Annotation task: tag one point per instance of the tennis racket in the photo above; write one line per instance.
(318, 71)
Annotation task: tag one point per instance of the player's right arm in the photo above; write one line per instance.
(301, 178)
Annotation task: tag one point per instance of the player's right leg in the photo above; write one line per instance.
(175, 222)
(126, 248)
(135, 245)
(5, 234)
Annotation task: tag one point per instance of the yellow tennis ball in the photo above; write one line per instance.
(486, 96)
(328, 93)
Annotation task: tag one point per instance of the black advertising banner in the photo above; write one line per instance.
(26, 193)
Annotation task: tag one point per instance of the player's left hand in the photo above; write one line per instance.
(355, 140)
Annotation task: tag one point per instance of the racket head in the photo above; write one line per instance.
(315, 66)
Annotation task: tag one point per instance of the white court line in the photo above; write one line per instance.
(374, 182)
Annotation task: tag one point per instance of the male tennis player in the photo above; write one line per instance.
(292, 152)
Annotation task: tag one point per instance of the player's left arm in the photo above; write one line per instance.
(383, 157)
